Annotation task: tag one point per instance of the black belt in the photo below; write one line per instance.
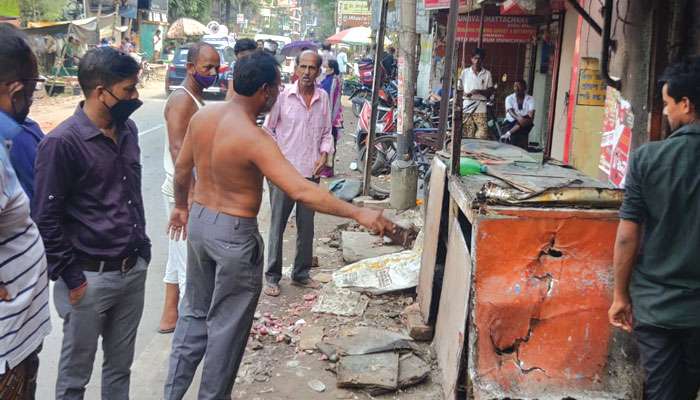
(95, 265)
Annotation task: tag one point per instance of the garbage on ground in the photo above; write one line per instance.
(339, 301)
(317, 385)
(346, 189)
(382, 274)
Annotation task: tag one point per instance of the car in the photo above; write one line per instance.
(178, 69)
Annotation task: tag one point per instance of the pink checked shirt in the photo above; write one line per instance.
(301, 133)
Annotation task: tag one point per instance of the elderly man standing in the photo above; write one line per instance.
(202, 67)
(300, 123)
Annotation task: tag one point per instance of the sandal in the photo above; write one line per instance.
(272, 289)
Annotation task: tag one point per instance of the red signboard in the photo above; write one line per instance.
(615, 144)
(438, 4)
(497, 29)
(353, 20)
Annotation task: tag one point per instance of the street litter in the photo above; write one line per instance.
(339, 301)
(382, 274)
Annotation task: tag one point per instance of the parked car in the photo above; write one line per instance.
(177, 70)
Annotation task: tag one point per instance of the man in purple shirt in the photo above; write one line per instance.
(300, 123)
(89, 210)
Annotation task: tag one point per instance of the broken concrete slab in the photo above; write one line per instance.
(360, 245)
(413, 320)
(366, 340)
(412, 370)
(370, 371)
(367, 201)
(310, 335)
(339, 301)
(323, 277)
(328, 350)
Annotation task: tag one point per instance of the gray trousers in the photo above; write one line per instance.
(111, 308)
(281, 206)
(224, 280)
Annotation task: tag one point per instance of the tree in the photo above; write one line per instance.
(42, 10)
(197, 9)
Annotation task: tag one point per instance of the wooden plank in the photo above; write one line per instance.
(431, 236)
(460, 196)
(450, 328)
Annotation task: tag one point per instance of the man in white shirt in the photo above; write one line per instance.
(342, 59)
(157, 46)
(520, 112)
(478, 87)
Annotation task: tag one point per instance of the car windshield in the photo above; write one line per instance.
(181, 56)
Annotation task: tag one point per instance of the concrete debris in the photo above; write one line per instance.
(339, 301)
(360, 245)
(317, 385)
(292, 364)
(370, 371)
(368, 201)
(328, 350)
(323, 277)
(413, 320)
(412, 370)
(310, 335)
(366, 340)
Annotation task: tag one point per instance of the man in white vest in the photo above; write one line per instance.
(202, 70)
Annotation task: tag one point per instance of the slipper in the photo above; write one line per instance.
(166, 331)
(272, 289)
(307, 283)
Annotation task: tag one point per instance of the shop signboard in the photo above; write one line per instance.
(615, 143)
(497, 29)
(357, 7)
(440, 4)
(591, 88)
(159, 5)
(353, 20)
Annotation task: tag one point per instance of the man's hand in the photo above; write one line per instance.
(506, 137)
(320, 164)
(76, 294)
(374, 221)
(620, 313)
(177, 227)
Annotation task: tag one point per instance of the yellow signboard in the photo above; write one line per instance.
(591, 88)
(357, 7)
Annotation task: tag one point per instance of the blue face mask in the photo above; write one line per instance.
(204, 81)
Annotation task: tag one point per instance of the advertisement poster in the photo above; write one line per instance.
(496, 29)
(440, 4)
(591, 88)
(617, 137)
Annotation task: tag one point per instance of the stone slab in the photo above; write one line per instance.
(360, 245)
(370, 371)
(412, 370)
(310, 335)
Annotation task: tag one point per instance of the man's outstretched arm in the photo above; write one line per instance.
(265, 154)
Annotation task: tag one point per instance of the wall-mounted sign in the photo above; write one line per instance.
(616, 142)
(353, 20)
(439, 4)
(591, 88)
(497, 29)
(353, 7)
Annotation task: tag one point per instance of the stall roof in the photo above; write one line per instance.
(515, 178)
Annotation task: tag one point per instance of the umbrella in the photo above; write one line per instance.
(357, 35)
(184, 27)
(293, 49)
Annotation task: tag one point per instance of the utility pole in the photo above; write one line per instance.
(447, 75)
(404, 171)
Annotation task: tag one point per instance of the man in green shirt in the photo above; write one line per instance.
(657, 251)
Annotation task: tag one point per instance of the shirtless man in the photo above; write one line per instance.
(230, 155)
(202, 68)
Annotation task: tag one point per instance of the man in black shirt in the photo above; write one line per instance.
(389, 64)
(657, 251)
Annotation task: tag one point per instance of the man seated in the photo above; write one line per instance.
(520, 112)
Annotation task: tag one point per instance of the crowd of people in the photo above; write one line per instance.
(71, 211)
(85, 228)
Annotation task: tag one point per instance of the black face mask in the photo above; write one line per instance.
(121, 111)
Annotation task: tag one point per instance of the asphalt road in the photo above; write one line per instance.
(152, 349)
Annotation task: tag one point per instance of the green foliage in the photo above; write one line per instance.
(196, 9)
(9, 8)
(326, 17)
(42, 10)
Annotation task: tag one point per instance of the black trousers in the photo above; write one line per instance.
(671, 362)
